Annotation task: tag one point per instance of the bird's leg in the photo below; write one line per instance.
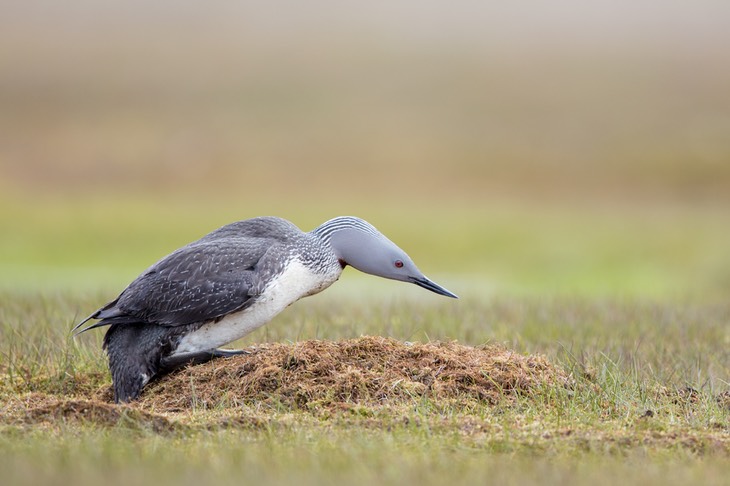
(172, 363)
(228, 353)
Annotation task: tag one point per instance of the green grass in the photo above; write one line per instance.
(400, 456)
(626, 356)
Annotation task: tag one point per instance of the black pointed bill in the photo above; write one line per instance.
(432, 286)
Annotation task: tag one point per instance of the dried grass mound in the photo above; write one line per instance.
(369, 371)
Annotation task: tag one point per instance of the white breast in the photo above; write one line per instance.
(295, 282)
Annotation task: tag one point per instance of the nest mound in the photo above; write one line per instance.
(368, 371)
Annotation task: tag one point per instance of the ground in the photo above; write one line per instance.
(567, 390)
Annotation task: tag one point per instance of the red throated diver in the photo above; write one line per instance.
(229, 283)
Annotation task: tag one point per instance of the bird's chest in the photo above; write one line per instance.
(293, 283)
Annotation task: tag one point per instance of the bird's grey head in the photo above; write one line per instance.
(357, 243)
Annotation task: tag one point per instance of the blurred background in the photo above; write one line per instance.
(510, 147)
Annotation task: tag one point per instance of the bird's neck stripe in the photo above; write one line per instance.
(326, 230)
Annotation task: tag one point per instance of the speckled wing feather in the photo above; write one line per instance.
(195, 284)
(219, 274)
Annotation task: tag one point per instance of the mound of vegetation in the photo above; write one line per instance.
(368, 371)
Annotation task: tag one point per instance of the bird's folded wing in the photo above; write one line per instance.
(197, 283)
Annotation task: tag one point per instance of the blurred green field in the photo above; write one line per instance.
(549, 164)
(482, 249)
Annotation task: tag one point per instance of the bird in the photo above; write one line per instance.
(230, 282)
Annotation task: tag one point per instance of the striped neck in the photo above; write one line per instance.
(327, 229)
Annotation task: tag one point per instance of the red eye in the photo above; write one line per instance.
(398, 264)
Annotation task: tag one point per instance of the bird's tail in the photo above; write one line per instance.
(109, 311)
